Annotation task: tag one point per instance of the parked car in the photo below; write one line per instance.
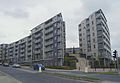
(16, 66)
(0, 63)
(5, 64)
(36, 66)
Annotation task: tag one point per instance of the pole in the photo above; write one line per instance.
(117, 62)
(86, 68)
(115, 65)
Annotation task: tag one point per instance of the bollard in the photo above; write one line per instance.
(86, 69)
(40, 70)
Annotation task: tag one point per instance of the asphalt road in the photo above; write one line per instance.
(115, 78)
(29, 76)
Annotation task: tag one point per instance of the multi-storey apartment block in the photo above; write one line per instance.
(48, 41)
(3, 52)
(94, 37)
(45, 44)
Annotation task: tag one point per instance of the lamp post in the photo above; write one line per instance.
(117, 63)
(86, 67)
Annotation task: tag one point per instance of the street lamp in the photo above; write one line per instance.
(86, 67)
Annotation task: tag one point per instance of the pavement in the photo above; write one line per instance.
(31, 76)
(4, 78)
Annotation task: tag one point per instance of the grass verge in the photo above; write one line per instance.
(84, 78)
(108, 73)
(61, 67)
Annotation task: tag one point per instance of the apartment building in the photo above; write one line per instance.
(73, 50)
(49, 41)
(3, 52)
(94, 37)
(45, 44)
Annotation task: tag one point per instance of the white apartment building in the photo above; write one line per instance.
(45, 44)
(94, 37)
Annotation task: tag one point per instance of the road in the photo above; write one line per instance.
(115, 78)
(30, 76)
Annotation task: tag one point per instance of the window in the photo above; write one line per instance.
(89, 49)
(55, 31)
(55, 44)
(79, 25)
(58, 44)
(79, 29)
(88, 37)
(80, 39)
(94, 46)
(92, 22)
(94, 40)
(80, 34)
(88, 30)
(84, 27)
(95, 54)
(80, 44)
(93, 34)
(83, 33)
(93, 28)
(87, 25)
(84, 49)
(55, 38)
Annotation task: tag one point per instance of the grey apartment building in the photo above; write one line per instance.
(46, 44)
(94, 37)
(3, 52)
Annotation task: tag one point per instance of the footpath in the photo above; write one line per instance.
(5, 78)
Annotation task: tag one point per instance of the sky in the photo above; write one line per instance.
(18, 17)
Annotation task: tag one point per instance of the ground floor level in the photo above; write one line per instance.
(45, 62)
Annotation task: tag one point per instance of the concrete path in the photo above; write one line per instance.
(4, 78)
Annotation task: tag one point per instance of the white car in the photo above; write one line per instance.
(0, 63)
(16, 66)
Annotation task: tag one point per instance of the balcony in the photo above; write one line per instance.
(29, 54)
(36, 51)
(49, 30)
(37, 40)
(38, 35)
(49, 36)
(48, 49)
(22, 55)
(22, 46)
(22, 50)
(49, 42)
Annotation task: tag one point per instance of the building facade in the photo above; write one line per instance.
(45, 44)
(73, 50)
(94, 37)
(3, 52)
